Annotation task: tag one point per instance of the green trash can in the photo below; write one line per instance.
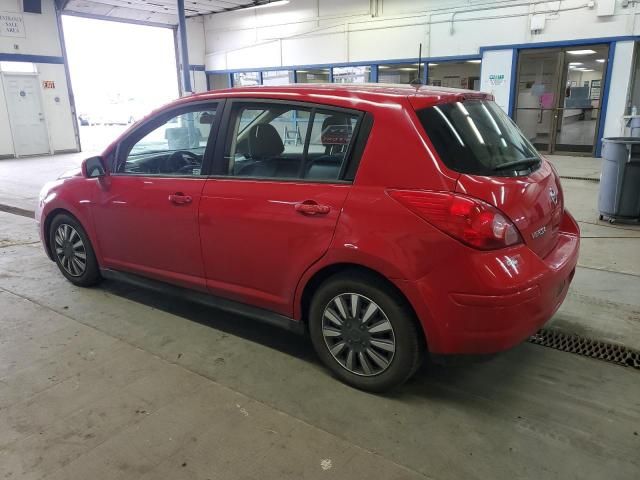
(619, 195)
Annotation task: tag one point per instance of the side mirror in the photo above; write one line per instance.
(93, 168)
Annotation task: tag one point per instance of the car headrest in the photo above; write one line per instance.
(336, 130)
(264, 141)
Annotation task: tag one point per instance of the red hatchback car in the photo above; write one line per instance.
(388, 221)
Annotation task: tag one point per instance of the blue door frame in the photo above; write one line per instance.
(609, 41)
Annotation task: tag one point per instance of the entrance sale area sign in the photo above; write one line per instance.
(11, 25)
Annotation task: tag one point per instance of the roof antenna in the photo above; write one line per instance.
(417, 82)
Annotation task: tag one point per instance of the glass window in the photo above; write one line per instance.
(277, 77)
(477, 137)
(455, 74)
(352, 74)
(268, 141)
(18, 67)
(246, 79)
(331, 136)
(174, 148)
(399, 73)
(218, 81)
(318, 75)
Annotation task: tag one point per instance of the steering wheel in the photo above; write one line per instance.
(179, 160)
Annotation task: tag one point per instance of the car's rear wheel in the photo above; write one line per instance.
(364, 332)
(73, 251)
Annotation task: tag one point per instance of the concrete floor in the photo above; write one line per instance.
(118, 382)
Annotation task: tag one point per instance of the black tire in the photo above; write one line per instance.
(86, 277)
(407, 335)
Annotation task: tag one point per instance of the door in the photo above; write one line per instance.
(272, 210)
(580, 100)
(26, 116)
(146, 211)
(558, 100)
(538, 87)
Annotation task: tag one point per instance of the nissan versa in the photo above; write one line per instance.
(388, 221)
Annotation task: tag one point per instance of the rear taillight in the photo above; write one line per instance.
(472, 221)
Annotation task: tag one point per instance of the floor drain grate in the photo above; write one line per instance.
(587, 347)
(588, 179)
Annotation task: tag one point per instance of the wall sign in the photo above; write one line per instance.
(48, 84)
(11, 25)
(496, 79)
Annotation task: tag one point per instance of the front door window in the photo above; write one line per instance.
(176, 147)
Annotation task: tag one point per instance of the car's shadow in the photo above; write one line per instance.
(434, 381)
(233, 324)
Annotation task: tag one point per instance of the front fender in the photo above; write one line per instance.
(73, 195)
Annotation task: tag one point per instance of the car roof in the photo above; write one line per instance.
(362, 91)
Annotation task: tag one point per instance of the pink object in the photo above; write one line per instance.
(546, 100)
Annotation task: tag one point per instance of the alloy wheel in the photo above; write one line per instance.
(70, 250)
(358, 334)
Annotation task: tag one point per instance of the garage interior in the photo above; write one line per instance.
(121, 382)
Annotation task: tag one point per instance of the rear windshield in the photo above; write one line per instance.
(477, 137)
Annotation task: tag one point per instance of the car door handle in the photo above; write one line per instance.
(180, 198)
(310, 207)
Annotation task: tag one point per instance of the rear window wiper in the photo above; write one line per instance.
(525, 162)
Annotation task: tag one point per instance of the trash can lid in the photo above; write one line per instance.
(621, 139)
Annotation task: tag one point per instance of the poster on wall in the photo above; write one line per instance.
(595, 90)
(11, 25)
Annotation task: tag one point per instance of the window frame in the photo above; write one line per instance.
(352, 156)
(138, 132)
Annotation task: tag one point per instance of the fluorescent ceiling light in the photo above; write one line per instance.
(587, 70)
(274, 3)
(600, 60)
(407, 69)
(576, 63)
(382, 67)
(581, 52)
(433, 64)
(474, 61)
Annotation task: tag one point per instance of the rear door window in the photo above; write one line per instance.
(476, 137)
(281, 141)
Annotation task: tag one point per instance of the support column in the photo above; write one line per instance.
(183, 50)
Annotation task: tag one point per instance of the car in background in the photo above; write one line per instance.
(389, 222)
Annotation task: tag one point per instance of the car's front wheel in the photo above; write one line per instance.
(364, 332)
(73, 251)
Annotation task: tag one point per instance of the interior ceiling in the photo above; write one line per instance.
(153, 11)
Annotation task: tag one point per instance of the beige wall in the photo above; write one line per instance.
(40, 38)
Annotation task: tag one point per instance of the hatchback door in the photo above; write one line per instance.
(271, 211)
(146, 213)
(499, 165)
(534, 203)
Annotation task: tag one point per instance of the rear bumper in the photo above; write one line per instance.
(497, 300)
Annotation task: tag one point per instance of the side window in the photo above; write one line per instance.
(329, 144)
(175, 148)
(267, 141)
